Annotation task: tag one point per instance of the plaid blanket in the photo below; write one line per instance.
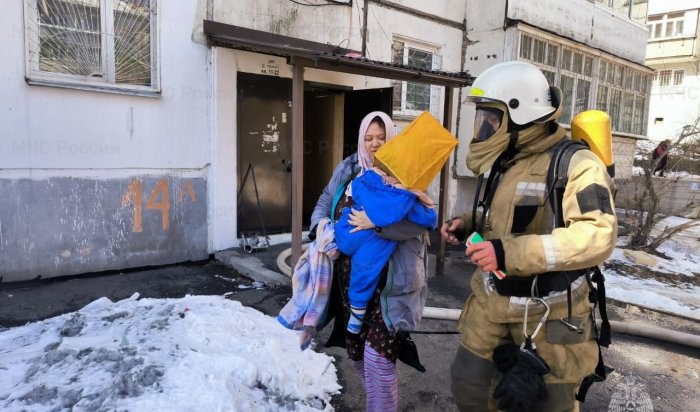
(311, 281)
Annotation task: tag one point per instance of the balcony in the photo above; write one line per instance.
(681, 48)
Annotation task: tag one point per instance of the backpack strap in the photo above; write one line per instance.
(558, 175)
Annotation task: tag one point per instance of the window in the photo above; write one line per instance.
(589, 82)
(623, 94)
(634, 9)
(412, 98)
(669, 81)
(665, 26)
(92, 44)
(678, 77)
(567, 68)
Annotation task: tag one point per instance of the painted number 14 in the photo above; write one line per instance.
(158, 199)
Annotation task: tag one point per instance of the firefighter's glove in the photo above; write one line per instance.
(506, 356)
(522, 384)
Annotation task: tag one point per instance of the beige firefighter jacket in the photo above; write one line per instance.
(591, 226)
(521, 217)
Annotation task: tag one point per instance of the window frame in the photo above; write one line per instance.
(666, 81)
(106, 83)
(660, 24)
(611, 82)
(553, 65)
(401, 109)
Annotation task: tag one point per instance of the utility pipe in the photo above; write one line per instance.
(441, 313)
(652, 332)
(633, 329)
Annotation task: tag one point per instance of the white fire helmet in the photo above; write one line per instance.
(522, 88)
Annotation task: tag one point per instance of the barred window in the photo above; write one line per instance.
(669, 81)
(412, 98)
(92, 44)
(678, 77)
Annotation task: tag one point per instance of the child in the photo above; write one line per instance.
(386, 202)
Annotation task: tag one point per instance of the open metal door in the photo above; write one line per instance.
(357, 104)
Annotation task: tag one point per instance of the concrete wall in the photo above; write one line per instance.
(585, 22)
(67, 157)
(624, 149)
(341, 24)
(675, 195)
(65, 225)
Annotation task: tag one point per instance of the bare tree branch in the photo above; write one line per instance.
(670, 231)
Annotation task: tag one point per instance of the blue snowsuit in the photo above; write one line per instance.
(384, 205)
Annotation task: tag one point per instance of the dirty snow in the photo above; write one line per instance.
(194, 353)
(676, 295)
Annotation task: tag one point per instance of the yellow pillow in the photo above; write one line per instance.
(416, 155)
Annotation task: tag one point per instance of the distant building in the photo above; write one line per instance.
(673, 51)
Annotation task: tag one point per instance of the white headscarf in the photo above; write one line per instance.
(363, 157)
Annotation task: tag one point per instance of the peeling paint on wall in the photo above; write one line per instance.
(66, 226)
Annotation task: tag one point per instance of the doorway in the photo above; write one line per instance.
(332, 116)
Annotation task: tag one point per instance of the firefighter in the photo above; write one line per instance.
(527, 338)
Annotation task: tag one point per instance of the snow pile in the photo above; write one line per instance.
(198, 352)
(671, 284)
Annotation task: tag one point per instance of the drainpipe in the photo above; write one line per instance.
(364, 29)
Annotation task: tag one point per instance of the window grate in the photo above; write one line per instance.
(70, 37)
(132, 42)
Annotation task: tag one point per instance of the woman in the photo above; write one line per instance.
(397, 303)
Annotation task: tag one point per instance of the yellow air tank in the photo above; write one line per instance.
(594, 128)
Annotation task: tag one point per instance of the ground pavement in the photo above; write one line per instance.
(663, 374)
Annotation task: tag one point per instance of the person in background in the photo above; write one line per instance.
(402, 283)
(660, 157)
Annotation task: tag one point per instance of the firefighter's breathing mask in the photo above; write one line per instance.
(490, 119)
